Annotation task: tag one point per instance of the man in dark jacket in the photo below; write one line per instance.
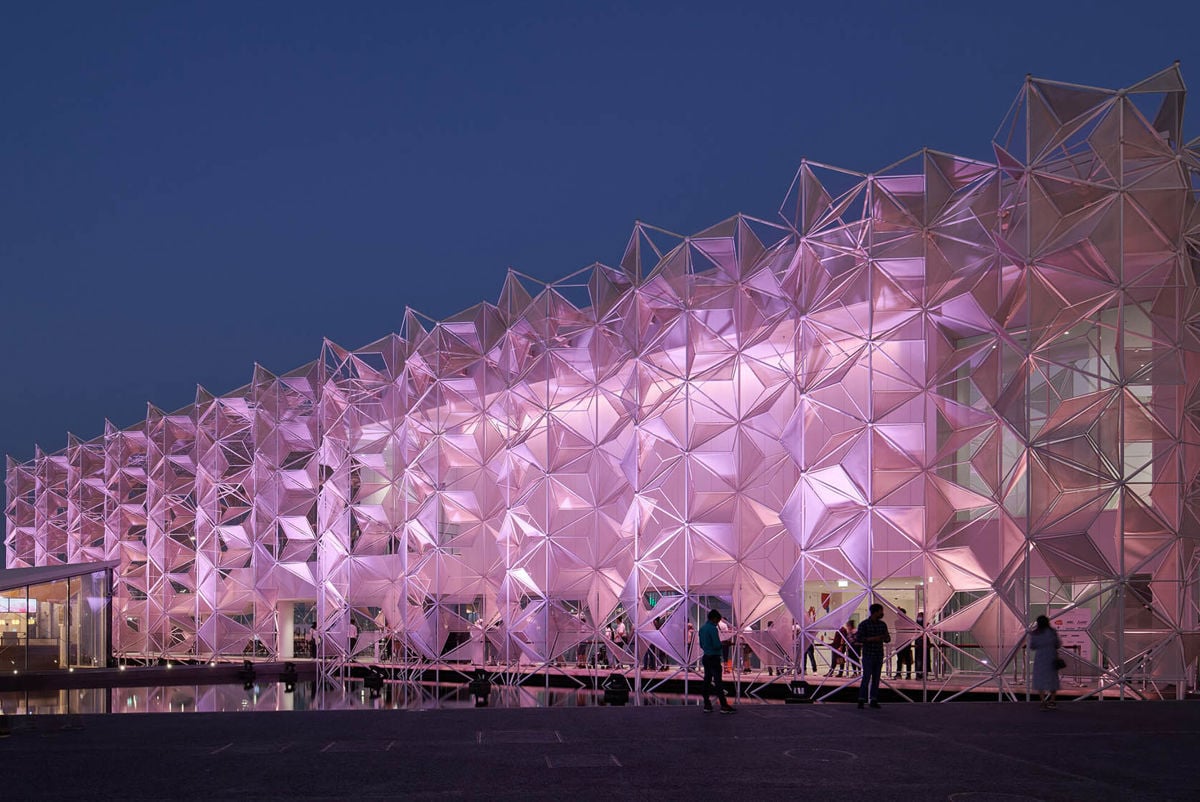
(872, 634)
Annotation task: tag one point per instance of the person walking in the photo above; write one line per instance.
(838, 649)
(872, 634)
(810, 653)
(1044, 642)
(810, 647)
(711, 649)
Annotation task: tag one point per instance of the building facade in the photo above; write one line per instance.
(964, 389)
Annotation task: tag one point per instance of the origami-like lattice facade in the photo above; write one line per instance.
(954, 386)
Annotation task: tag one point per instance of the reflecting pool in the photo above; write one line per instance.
(300, 696)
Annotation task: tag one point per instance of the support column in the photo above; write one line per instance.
(285, 615)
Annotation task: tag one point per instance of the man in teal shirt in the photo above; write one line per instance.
(710, 645)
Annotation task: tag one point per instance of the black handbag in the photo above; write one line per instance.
(1059, 664)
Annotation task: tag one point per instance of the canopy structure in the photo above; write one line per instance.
(958, 388)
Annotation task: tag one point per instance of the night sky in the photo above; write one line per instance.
(188, 189)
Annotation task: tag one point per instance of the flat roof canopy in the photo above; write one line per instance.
(20, 577)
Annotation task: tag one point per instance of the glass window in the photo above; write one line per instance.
(47, 626)
(14, 616)
(88, 645)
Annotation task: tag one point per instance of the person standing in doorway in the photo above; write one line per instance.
(711, 649)
(904, 655)
(872, 634)
(1044, 642)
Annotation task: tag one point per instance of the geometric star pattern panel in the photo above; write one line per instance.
(965, 389)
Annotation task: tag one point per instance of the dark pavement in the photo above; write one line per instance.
(966, 751)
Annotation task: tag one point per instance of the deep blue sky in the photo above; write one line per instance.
(187, 189)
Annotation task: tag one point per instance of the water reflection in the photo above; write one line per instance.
(305, 696)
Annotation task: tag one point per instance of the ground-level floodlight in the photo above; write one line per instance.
(288, 677)
(798, 692)
(246, 674)
(616, 690)
(480, 687)
(373, 681)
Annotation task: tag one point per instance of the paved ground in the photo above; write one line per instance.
(967, 752)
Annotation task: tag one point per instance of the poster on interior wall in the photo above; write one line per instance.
(1072, 626)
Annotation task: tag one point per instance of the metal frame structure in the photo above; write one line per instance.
(961, 387)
